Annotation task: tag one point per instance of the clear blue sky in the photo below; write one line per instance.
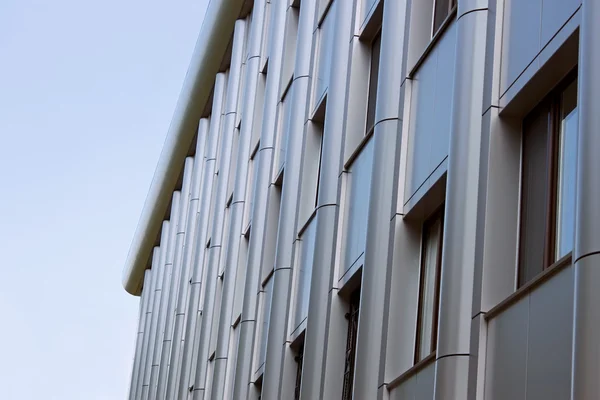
(87, 90)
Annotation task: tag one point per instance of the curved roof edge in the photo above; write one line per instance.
(210, 48)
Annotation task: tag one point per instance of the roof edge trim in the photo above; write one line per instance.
(210, 48)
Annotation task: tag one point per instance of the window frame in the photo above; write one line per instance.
(452, 4)
(372, 101)
(265, 322)
(299, 358)
(552, 102)
(436, 216)
(352, 315)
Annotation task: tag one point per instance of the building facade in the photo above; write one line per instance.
(377, 199)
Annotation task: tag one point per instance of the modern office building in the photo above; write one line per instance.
(377, 199)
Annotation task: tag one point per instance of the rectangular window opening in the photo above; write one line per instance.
(299, 361)
(429, 286)
(441, 10)
(373, 78)
(549, 160)
(352, 317)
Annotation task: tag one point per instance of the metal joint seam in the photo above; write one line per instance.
(592, 253)
(326, 205)
(472, 11)
(266, 148)
(453, 355)
(298, 77)
(385, 120)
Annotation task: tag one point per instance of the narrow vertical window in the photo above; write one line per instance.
(567, 165)
(266, 313)
(299, 362)
(319, 170)
(548, 170)
(429, 287)
(534, 192)
(352, 318)
(442, 9)
(373, 78)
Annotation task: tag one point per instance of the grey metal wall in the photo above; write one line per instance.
(266, 239)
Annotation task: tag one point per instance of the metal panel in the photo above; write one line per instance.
(176, 279)
(263, 194)
(210, 310)
(193, 314)
(167, 286)
(521, 38)
(587, 219)
(406, 390)
(554, 15)
(551, 338)
(425, 383)
(507, 353)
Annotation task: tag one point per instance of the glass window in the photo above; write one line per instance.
(325, 50)
(305, 267)
(250, 191)
(357, 205)
(318, 177)
(352, 317)
(441, 11)
(284, 126)
(567, 165)
(266, 34)
(299, 362)
(548, 182)
(429, 287)
(373, 77)
(266, 313)
(209, 376)
(234, 339)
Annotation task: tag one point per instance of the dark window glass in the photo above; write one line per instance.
(548, 182)
(352, 317)
(319, 171)
(534, 194)
(373, 77)
(441, 11)
(299, 361)
(429, 286)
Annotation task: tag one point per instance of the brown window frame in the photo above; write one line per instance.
(352, 316)
(553, 103)
(438, 215)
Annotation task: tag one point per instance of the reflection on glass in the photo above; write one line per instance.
(357, 206)
(284, 126)
(325, 50)
(567, 164)
(305, 273)
(373, 80)
(428, 286)
(268, 296)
